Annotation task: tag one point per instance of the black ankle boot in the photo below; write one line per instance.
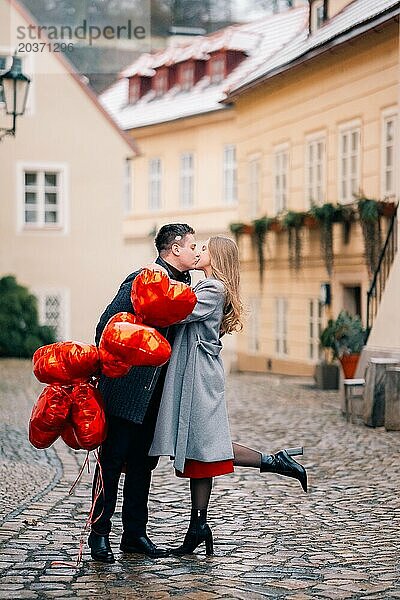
(100, 548)
(197, 533)
(282, 463)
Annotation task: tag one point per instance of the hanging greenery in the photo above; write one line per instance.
(293, 222)
(237, 229)
(368, 212)
(326, 215)
(260, 233)
(345, 214)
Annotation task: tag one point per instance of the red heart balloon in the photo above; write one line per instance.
(127, 343)
(69, 437)
(66, 363)
(160, 302)
(87, 416)
(49, 416)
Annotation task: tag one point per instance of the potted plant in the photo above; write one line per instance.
(344, 337)
(387, 208)
(326, 215)
(293, 222)
(368, 212)
(275, 225)
(237, 229)
(260, 227)
(310, 221)
(346, 215)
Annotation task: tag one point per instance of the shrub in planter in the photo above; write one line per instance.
(20, 332)
(345, 337)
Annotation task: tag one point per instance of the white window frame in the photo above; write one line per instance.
(155, 183)
(281, 326)
(27, 69)
(128, 187)
(348, 129)
(42, 293)
(390, 114)
(315, 317)
(161, 83)
(62, 226)
(254, 325)
(230, 174)
(217, 74)
(316, 6)
(312, 182)
(187, 76)
(254, 184)
(186, 180)
(280, 181)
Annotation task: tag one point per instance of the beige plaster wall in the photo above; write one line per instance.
(65, 127)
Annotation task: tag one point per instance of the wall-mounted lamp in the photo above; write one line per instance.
(14, 85)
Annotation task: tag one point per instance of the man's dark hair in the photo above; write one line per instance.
(171, 234)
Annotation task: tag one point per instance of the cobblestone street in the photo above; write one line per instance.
(341, 540)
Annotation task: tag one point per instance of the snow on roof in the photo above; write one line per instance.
(356, 13)
(260, 40)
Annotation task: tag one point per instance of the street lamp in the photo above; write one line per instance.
(15, 86)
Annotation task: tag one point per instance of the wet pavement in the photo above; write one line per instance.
(271, 540)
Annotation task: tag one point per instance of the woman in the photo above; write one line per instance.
(192, 424)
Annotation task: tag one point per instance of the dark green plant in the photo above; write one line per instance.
(368, 212)
(343, 335)
(237, 229)
(326, 215)
(260, 234)
(20, 332)
(293, 222)
(345, 214)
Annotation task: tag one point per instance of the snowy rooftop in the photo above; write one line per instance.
(356, 13)
(260, 40)
(271, 44)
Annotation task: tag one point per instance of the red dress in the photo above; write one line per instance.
(195, 469)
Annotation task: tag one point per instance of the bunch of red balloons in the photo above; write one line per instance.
(71, 406)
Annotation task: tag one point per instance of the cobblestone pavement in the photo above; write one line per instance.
(272, 541)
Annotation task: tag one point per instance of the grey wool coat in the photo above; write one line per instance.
(192, 421)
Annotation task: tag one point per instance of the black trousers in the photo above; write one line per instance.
(127, 444)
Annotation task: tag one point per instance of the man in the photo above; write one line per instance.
(132, 404)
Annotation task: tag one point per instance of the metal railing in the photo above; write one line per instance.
(382, 271)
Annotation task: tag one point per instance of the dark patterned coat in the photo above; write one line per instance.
(128, 397)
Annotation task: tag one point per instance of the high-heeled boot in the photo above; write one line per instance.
(282, 463)
(198, 532)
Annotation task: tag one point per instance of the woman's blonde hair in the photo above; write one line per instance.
(225, 265)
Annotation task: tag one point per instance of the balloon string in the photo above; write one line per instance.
(85, 462)
(98, 491)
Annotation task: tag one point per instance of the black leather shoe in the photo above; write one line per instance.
(195, 536)
(142, 545)
(282, 463)
(100, 548)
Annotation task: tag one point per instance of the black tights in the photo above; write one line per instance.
(200, 489)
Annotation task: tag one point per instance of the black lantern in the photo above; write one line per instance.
(15, 86)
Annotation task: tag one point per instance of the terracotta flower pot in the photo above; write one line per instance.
(349, 364)
(387, 209)
(275, 226)
(310, 222)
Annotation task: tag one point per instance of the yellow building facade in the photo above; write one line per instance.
(309, 115)
(321, 130)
